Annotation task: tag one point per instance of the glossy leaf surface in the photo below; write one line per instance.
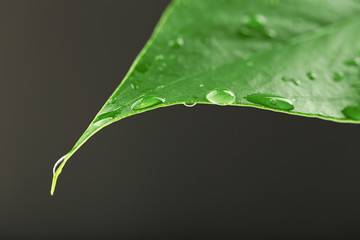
(298, 57)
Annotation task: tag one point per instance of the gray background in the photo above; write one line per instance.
(173, 173)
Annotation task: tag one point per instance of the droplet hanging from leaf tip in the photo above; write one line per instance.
(221, 96)
(147, 101)
(57, 164)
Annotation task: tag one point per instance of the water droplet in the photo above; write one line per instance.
(58, 163)
(221, 96)
(159, 57)
(142, 67)
(189, 104)
(256, 21)
(352, 112)
(147, 101)
(270, 33)
(353, 62)
(178, 42)
(110, 114)
(201, 85)
(159, 87)
(292, 80)
(338, 76)
(112, 100)
(271, 101)
(133, 86)
(311, 75)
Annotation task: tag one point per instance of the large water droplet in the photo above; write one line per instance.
(110, 114)
(352, 112)
(57, 164)
(271, 101)
(311, 75)
(292, 80)
(189, 104)
(147, 101)
(178, 42)
(221, 96)
(338, 76)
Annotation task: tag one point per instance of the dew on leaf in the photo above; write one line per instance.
(147, 101)
(270, 33)
(292, 80)
(355, 62)
(58, 163)
(256, 21)
(178, 42)
(201, 85)
(311, 75)
(111, 114)
(352, 112)
(133, 86)
(159, 57)
(189, 104)
(271, 101)
(142, 67)
(338, 76)
(112, 100)
(221, 96)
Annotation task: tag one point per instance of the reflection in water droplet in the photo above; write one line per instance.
(147, 101)
(189, 104)
(352, 112)
(338, 76)
(178, 42)
(221, 96)
(353, 62)
(311, 75)
(271, 101)
(110, 114)
(292, 80)
(58, 163)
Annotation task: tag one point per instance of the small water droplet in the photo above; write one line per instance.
(353, 62)
(159, 87)
(189, 104)
(57, 164)
(112, 100)
(147, 101)
(338, 76)
(270, 33)
(256, 21)
(201, 85)
(352, 112)
(142, 67)
(133, 86)
(271, 101)
(221, 96)
(159, 57)
(178, 42)
(292, 80)
(311, 75)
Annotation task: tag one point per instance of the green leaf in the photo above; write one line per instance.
(296, 57)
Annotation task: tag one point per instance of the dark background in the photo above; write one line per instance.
(173, 173)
